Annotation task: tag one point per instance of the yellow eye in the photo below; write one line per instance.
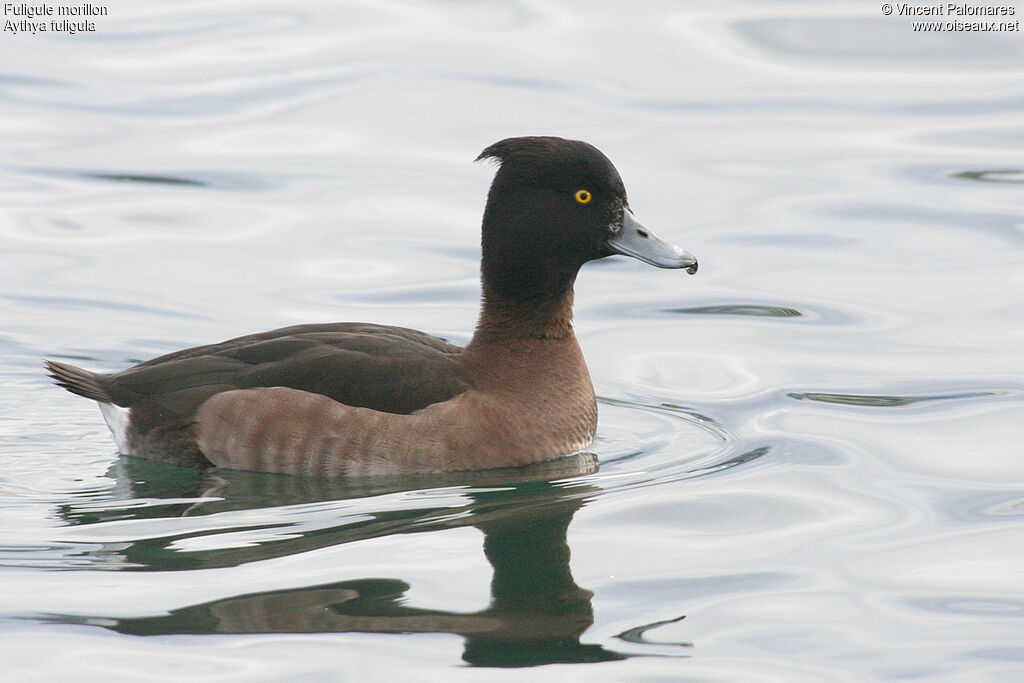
(583, 196)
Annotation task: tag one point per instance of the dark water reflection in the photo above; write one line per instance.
(536, 614)
(891, 401)
(756, 310)
(210, 179)
(1001, 175)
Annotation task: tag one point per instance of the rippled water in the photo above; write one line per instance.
(809, 462)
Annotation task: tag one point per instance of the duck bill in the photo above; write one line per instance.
(633, 239)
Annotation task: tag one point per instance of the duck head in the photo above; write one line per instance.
(554, 205)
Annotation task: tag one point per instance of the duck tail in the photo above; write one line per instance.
(78, 381)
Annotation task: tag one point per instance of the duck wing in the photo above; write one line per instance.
(390, 369)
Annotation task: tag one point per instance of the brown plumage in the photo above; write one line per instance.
(356, 398)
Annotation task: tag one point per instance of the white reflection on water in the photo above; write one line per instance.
(809, 452)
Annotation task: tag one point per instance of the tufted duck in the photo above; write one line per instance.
(344, 399)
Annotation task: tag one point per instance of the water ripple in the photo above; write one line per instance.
(207, 178)
(1004, 225)
(638, 634)
(656, 444)
(755, 310)
(904, 400)
(793, 312)
(880, 401)
(997, 176)
(970, 605)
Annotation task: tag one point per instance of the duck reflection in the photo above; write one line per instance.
(536, 614)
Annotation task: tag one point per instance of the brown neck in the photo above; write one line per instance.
(505, 320)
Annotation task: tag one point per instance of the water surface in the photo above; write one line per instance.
(808, 465)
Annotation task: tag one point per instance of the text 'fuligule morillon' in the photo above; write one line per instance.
(24, 9)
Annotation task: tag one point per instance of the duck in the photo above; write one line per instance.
(359, 399)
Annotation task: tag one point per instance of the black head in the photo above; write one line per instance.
(554, 205)
(548, 212)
